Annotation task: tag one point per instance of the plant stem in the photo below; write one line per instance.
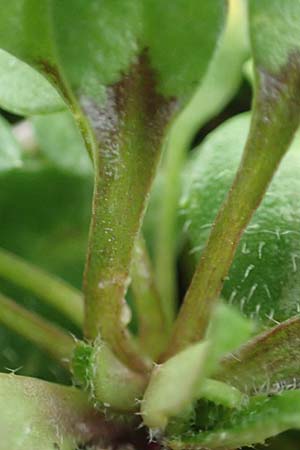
(217, 88)
(275, 119)
(49, 337)
(129, 132)
(50, 288)
(152, 324)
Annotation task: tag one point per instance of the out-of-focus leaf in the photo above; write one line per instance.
(23, 90)
(36, 415)
(10, 151)
(60, 140)
(263, 279)
(45, 215)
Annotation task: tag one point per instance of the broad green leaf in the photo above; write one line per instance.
(38, 415)
(23, 90)
(96, 41)
(61, 142)
(268, 363)
(54, 209)
(263, 279)
(10, 151)
(260, 419)
(179, 36)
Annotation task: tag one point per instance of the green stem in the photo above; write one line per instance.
(217, 88)
(275, 119)
(37, 330)
(48, 287)
(120, 189)
(128, 132)
(152, 324)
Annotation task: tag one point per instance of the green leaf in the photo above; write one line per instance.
(109, 34)
(179, 48)
(268, 363)
(263, 279)
(54, 208)
(162, 398)
(60, 141)
(262, 418)
(181, 38)
(37, 415)
(23, 90)
(10, 151)
(190, 368)
(224, 340)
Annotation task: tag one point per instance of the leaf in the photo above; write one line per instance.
(54, 209)
(173, 35)
(263, 279)
(61, 142)
(116, 34)
(107, 46)
(37, 415)
(268, 363)
(262, 418)
(190, 368)
(162, 398)
(121, 30)
(224, 340)
(23, 91)
(10, 151)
